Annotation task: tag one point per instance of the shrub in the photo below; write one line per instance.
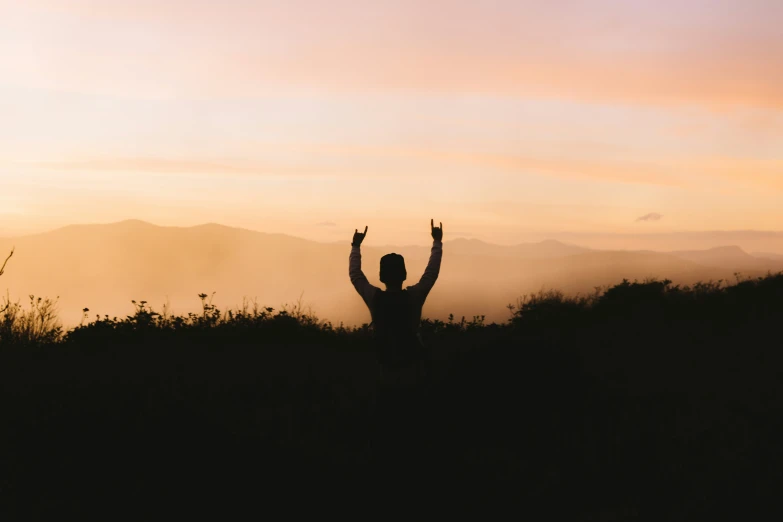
(35, 325)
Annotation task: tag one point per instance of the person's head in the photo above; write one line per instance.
(393, 270)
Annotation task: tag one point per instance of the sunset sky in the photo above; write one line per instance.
(504, 119)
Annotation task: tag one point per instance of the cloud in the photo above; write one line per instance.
(330, 160)
(322, 158)
(622, 171)
(326, 224)
(188, 167)
(723, 55)
(653, 216)
(149, 165)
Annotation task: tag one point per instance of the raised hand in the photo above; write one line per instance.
(358, 237)
(437, 232)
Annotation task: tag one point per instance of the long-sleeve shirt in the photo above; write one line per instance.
(418, 292)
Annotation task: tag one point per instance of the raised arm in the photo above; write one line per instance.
(358, 279)
(427, 281)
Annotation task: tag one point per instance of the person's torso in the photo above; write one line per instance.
(395, 314)
(395, 320)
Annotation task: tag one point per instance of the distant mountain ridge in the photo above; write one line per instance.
(748, 240)
(102, 267)
(549, 248)
(724, 257)
(767, 255)
(541, 248)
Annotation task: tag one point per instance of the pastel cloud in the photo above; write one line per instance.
(653, 216)
(355, 161)
(600, 50)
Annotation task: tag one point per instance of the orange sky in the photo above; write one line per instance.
(502, 119)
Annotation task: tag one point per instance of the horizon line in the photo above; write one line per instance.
(552, 239)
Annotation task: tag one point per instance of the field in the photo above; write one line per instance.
(647, 401)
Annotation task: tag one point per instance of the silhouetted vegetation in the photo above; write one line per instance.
(646, 400)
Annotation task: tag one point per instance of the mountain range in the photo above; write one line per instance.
(104, 267)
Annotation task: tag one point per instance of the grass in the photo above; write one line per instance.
(643, 401)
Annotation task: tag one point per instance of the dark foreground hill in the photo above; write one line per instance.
(646, 402)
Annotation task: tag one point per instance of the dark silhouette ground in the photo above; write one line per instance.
(647, 402)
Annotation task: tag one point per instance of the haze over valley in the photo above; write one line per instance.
(104, 267)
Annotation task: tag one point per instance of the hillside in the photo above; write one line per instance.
(645, 399)
(104, 267)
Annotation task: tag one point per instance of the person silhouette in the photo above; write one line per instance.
(396, 312)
